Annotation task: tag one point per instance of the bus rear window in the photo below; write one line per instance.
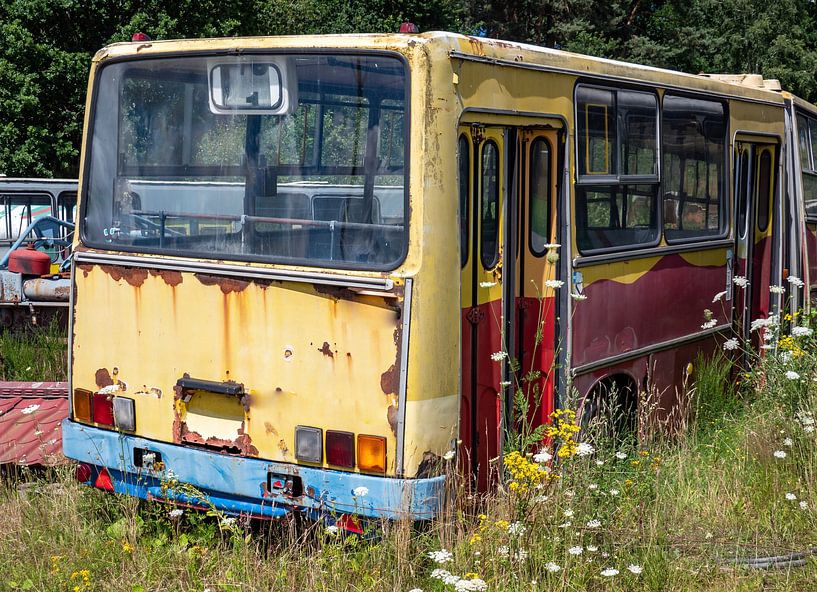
(316, 177)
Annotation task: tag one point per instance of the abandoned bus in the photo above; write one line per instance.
(305, 263)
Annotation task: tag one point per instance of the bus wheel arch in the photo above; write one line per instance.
(609, 408)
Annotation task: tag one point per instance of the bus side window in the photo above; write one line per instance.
(539, 196)
(764, 190)
(693, 144)
(489, 205)
(464, 162)
(617, 181)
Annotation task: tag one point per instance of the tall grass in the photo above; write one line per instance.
(34, 354)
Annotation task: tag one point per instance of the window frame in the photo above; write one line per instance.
(320, 265)
(724, 211)
(812, 170)
(464, 213)
(548, 197)
(488, 266)
(617, 180)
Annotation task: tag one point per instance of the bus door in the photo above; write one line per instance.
(754, 195)
(536, 302)
(504, 267)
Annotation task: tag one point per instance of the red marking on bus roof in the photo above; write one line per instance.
(31, 415)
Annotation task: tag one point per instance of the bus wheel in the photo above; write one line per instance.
(609, 411)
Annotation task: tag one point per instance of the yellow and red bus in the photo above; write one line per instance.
(306, 264)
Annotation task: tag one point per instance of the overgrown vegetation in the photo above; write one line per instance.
(34, 353)
(735, 482)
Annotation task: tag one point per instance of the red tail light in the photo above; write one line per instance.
(139, 37)
(409, 28)
(103, 480)
(340, 449)
(82, 473)
(103, 409)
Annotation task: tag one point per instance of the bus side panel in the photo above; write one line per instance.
(643, 302)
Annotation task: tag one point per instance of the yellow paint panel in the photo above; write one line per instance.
(304, 357)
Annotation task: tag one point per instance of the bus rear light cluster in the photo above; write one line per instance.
(341, 451)
(309, 444)
(104, 409)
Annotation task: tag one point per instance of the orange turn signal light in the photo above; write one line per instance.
(371, 453)
(82, 404)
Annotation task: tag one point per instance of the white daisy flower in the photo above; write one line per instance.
(577, 296)
(487, 284)
(176, 513)
(709, 324)
(788, 442)
(636, 569)
(360, 491)
(609, 572)
(614, 492)
(621, 455)
(719, 296)
(777, 289)
(795, 281)
(801, 331)
(594, 523)
(804, 505)
(740, 281)
(792, 375)
(780, 454)
(499, 356)
(568, 513)
(552, 567)
(448, 455)
(592, 548)
(575, 550)
(331, 530)
(555, 284)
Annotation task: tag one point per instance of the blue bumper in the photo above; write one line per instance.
(242, 485)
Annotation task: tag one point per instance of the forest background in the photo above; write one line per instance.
(46, 45)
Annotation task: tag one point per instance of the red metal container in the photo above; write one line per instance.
(30, 261)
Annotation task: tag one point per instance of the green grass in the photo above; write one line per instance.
(34, 354)
(687, 505)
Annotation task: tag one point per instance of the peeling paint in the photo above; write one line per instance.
(103, 378)
(227, 284)
(429, 466)
(391, 416)
(390, 380)
(135, 276)
(171, 278)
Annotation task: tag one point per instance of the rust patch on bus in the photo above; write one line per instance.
(85, 268)
(242, 444)
(227, 285)
(326, 350)
(429, 466)
(270, 429)
(391, 416)
(135, 276)
(390, 380)
(103, 378)
(171, 278)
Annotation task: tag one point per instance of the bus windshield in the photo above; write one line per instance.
(294, 158)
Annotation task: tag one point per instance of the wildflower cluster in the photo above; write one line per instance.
(81, 580)
(563, 430)
(525, 474)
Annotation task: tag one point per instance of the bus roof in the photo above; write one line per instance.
(501, 53)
